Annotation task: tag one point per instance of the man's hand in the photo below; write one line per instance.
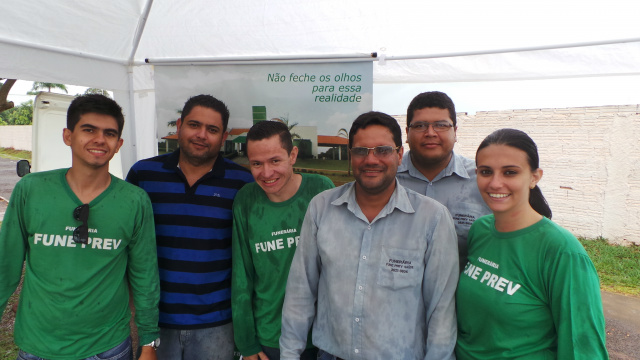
(259, 356)
(148, 353)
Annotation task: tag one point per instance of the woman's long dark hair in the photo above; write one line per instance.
(520, 140)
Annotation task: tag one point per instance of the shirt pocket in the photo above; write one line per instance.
(464, 214)
(400, 268)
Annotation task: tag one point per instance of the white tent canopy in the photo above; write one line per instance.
(107, 44)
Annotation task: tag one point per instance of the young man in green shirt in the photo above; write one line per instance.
(267, 217)
(86, 238)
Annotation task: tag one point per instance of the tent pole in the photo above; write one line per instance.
(265, 59)
(283, 59)
(61, 51)
(511, 50)
(142, 22)
(132, 98)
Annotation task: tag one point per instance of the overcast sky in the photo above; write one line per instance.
(481, 96)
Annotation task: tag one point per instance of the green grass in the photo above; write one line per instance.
(618, 266)
(8, 349)
(336, 170)
(340, 165)
(10, 153)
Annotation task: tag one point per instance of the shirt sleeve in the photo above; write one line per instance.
(13, 244)
(143, 273)
(440, 281)
(242, 283)
(132, 176)
(579, 323)
(328, 184)
(301, 294)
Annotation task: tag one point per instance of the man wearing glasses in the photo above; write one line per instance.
(86, 238)
(376, 267)
(432, 168)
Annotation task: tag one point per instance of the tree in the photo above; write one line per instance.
(345, 134)
(174, 123)
(5, 87)
(90, 91)
(285, 120)
(44, 85)
(20, 115)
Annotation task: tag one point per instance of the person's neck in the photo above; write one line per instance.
(372, 204)
(516, 220)
(88, 184)
(288, 191)
(194, 171)
(431, 170)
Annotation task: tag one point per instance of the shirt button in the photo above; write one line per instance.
(357, 319)
(364, 257)
(369, 227)
(360, 287)
(356, 351)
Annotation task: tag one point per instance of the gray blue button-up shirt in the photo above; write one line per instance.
(373, 290)
(455, 187)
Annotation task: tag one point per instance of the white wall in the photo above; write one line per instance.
(16, 136)
(591, 162)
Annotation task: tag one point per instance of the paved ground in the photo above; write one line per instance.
(622, 315)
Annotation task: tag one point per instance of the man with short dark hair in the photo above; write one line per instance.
(267, 217)
(432, 168)
(376, 267)
(192, 191)
(86, 237)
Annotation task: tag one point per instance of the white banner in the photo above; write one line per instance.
(320, 98)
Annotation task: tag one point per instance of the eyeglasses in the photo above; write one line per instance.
(81, 233)
(438, 126)
(378, 151)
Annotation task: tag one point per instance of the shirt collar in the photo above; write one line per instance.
(217, 170)
(399, 200)
(455, 166)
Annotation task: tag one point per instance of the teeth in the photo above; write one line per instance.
(269, 181)
(97, 151)
(498, 195)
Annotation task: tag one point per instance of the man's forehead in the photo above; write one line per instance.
(375, 127)
(96, 120)
(198, 109)
(441, 112)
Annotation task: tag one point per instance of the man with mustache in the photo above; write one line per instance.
(376, 267)
(192, 191)
(432, 168)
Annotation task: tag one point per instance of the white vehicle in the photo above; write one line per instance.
(48, 149)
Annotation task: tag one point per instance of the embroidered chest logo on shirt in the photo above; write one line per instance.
(464, 219)
(399, 265)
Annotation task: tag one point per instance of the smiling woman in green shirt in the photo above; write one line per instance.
(529, 289)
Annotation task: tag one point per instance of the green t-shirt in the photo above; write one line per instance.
(75, 299)
(528, 294)
(265, 236)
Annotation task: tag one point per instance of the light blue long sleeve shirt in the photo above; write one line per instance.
(382, 289)
(454, 187)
